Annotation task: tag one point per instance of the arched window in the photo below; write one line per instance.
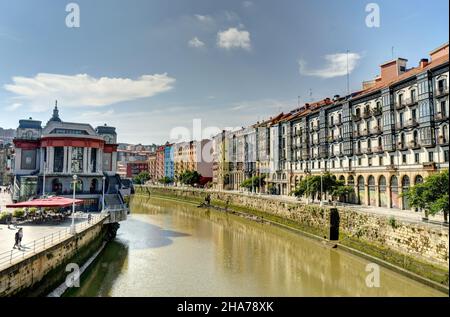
(351, 180)
(57, 186)
(402, 139)
(418, 179)
(380, 142)
(394, 181)
(371, 180)
(444, 134)
(94, 185)
(369, 144)
(405, 181)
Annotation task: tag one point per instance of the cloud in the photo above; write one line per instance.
(14, 106)
(204, 18)
(336, 65)
(83, 90)
(233, 38)
(195, 42)
(247, 4)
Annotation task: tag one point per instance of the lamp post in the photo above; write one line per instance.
(103, 193)
(72, 227)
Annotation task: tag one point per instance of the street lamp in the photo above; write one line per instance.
(103, 193)
(72, 227)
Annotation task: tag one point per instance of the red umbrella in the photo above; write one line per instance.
(52, 202)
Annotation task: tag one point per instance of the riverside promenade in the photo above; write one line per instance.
(36, 237)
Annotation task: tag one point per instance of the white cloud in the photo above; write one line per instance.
(195, 42)
(336, 65)
(83, 90)
(233, 38)
(247, 4)
(204, 18)
(14, 106)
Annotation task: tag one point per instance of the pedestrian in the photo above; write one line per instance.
(89, 218)
(16, 240)
(20, 237)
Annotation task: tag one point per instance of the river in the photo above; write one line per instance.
(167, 248)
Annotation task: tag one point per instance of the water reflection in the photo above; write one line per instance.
(173, 249)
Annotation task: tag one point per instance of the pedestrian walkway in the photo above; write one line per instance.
(38, 237)
(410, 216)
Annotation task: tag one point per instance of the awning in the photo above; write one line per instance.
(52, 202)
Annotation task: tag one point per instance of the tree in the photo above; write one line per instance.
(166, 180)
(141, 178)
(253, 182)
(432, 195)
(313, 185)
(190, 178)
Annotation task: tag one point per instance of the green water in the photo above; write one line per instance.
(168, 248)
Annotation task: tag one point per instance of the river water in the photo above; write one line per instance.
(166, 248)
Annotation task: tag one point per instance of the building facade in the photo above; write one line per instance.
(380, 140)
(46, 158)
(193, 156)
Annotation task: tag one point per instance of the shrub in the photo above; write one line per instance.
(32, 211)
(3, 216)
(18, 213)
(393, 222)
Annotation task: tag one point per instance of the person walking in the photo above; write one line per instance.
(20, 237)
(16, 240)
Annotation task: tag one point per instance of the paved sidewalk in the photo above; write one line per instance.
(403, 215)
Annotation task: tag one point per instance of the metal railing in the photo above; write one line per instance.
(15, 256)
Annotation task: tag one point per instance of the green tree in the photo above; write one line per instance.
(253, 182)
(190, 178)
(141, 178)
(432, 195)
(312, 186)
(166, 180)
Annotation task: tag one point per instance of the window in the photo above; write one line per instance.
(359, 161)
(404, 158)
(414, 114)
(332, 163)
(28, 160)
(319, 164)
(370, 161)
(400, 99)
(392, 159)
(77, 159)
(93, 168)
(413, 95)
(58, 159)
(430, 156)
(443, 108)
(340, 163)
(416, 158)
(446, 156)
(380, 161)
(401, 119)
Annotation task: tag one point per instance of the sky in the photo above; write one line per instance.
(159, 70)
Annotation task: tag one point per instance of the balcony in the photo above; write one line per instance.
(411, 123)
(442, 140)
(410, 102)
(441, 116)
(379, 149)
(376, 130)
(367, 114)
(429, 166)
(399, 105)
(402, 146)
(441, 91)
(376, 112)
(338, 123)
(391, 167)
(356, 117)
(414, 145)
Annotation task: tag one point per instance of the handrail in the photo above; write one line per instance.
(15, 256)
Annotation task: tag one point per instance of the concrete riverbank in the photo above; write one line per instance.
(417, 250)
(40, 271)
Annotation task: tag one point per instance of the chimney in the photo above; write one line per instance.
(439, 52)
(423, 63)
(392, 69)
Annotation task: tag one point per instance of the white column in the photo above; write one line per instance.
(89, 160)
(100, 159)
(50, 157)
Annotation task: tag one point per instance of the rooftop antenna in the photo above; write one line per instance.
(348, 77)
(310, 95)
(392, 52)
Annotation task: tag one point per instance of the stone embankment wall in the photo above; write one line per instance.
(38, 275)
(408, 245)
